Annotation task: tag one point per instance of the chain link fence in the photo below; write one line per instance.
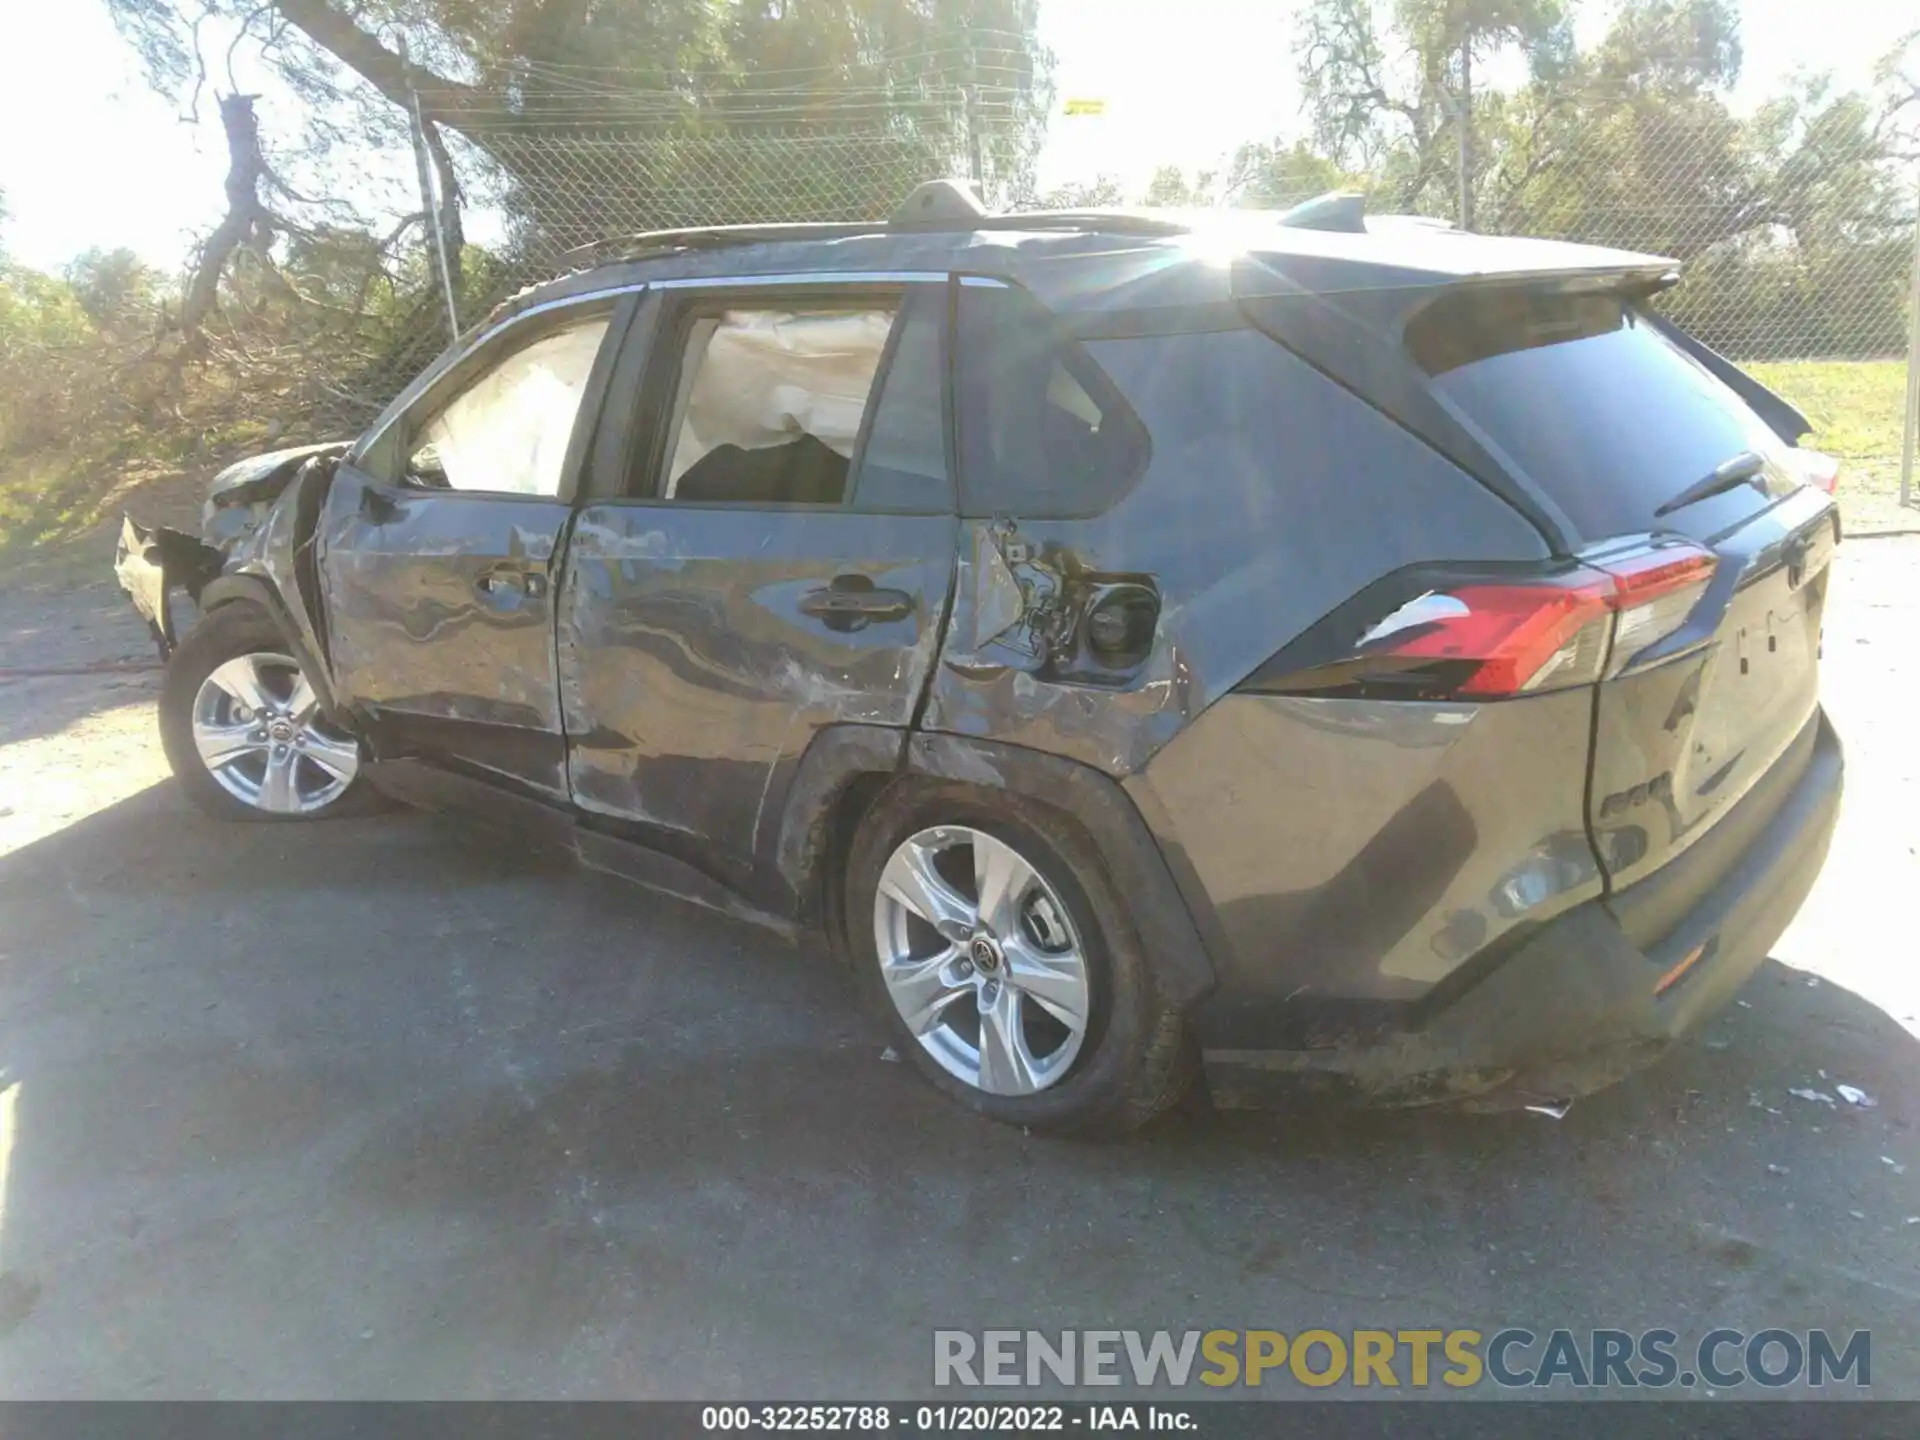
(1797, 241)
(561, 196)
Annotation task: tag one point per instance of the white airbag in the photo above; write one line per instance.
(767, 377)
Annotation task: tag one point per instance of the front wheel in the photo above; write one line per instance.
(242, 726)
(993, 944)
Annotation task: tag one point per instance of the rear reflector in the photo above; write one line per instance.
(1679, 972)
(1490, 638)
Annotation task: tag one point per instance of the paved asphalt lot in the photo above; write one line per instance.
(375, 1109)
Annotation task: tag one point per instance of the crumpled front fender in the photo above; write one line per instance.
(151, 561)
(271, 551)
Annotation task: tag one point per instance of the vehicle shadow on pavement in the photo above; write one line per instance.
(274, 1078)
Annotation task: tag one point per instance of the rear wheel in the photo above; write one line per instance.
(243, 730)
(991, 942)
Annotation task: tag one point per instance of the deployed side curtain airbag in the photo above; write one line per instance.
(509, 430)
(768, 378)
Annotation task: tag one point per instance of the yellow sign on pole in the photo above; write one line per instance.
(1086, 107)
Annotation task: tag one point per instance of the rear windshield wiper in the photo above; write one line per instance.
(1745, 466)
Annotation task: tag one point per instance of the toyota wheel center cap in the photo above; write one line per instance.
(985, 954)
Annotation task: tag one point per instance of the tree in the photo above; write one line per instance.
(485, 69)
(1275, 175)
(1170, 188)
(118, 291)
(1393, 93)
(583, 120)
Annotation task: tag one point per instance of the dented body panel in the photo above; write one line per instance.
(694, 680)
(1257, 460)
(1356, 854)
(439, 611)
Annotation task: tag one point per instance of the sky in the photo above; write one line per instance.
(89, 156)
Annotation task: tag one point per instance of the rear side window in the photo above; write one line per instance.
(903, 463)
(770, 404)
(1043, 432)
(1599, 410)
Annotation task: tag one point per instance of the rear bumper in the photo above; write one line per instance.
(1583, 1000)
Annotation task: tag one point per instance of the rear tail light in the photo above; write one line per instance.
(1654, 592)
(1489, 639)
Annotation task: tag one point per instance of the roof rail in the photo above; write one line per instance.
(936, 207)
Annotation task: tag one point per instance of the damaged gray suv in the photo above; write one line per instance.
(1303, 650)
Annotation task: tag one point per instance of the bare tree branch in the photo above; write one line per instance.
(245, 217)
(386, 70)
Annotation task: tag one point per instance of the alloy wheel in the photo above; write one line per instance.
(982, 960)
(257, 726)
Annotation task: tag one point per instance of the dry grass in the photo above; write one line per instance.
(1855, 409)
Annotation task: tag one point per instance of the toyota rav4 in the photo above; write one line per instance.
(1315, 649)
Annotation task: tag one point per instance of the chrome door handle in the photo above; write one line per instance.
(507, 580)
(856, 597)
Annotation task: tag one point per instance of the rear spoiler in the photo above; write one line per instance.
(1780, 415)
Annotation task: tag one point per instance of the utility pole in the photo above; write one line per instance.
(970, 93)
(1463, 126)
(429, 200)
(1912, 417)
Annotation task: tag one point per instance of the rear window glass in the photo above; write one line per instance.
(1590, 402)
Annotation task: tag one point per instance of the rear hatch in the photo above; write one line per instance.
(1671, 503)
(1631, 439)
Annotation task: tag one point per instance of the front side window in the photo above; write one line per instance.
(508, 431)
(1043, 432)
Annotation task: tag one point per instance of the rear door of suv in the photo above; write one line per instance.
(770, 552)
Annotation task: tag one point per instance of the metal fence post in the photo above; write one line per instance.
(429, 201)
(969, 94)
(1911, 428)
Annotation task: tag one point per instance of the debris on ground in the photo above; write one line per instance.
(1854, 1095)
(890, 1055)
(1818, 1096)
(1893, 1165)
(1555, 1111)
(1858, 1214)
(1773, 1169)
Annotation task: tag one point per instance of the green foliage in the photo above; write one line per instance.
(1795, 224)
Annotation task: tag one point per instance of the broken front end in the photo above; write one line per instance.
(243, 529)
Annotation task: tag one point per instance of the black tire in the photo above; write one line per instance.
(1137, 1058)
(225, 634)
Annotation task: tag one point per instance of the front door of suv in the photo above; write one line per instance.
(440, 536)
(778, 558)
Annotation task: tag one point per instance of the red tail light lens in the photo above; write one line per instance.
(1503, 639)
(1654, 593)
(1490, 639)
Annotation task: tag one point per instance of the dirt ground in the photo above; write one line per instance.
(365, 1109)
